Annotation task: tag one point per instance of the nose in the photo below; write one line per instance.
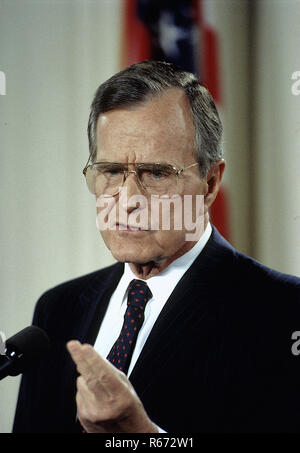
(132, 183)
(133, 188)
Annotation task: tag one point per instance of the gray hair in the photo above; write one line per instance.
(142, 81)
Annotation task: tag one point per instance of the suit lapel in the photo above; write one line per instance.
(87, 317)
(93, 303)
(188, 304)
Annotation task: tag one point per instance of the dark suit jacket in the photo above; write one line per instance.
(218, 358)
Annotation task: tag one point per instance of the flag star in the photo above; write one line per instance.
(169, 34)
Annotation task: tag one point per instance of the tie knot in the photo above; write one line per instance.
(138, 294)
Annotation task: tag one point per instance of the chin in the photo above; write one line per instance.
(131, 256)
(129, 250)
(141, 251)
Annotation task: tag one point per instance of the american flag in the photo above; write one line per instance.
(173, 31)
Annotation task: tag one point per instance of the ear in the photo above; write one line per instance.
(213, 180)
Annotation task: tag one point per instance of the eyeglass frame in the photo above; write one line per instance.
(177, 171)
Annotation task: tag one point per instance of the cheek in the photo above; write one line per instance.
(107, 238)
(105, 213)
(168, 242)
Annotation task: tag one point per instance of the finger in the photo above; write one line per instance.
(79, 355)
(87, 407)
(81, 410)
(94, 368)
(92, 406)
(74, 348)
(91, 392)
(89, 363)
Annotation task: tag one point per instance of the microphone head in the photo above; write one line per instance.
(29, 345)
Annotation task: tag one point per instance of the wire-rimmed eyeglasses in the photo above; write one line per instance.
(155, 178)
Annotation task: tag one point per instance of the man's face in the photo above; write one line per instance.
(159, 131)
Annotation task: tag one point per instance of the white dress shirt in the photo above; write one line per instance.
(161, 286)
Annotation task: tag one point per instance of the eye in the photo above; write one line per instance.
(109, 170)
(157, 174)
(113, 172)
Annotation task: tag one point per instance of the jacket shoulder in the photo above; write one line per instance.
(248, 267)
(66, 296)
(252, 268)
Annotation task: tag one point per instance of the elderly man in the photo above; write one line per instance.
(188, 334)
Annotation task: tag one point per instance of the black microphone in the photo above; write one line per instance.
(23, 350)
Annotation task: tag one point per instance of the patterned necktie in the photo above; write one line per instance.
(121, 352)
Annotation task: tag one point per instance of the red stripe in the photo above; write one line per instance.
(136, 40)
(211, 63)
(197, 12)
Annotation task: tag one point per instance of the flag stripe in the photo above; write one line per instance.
(136, 40)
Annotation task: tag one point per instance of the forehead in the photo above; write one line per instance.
(162, 128)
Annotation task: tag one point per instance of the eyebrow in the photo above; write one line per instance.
(103, 161)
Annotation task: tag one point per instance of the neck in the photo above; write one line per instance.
(147, 270)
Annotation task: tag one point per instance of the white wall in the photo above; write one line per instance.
(54, 55)
(230, 20)
(277, 135)
(259, 51)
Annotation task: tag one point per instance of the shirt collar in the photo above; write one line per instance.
(165, 282)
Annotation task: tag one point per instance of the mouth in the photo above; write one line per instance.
(130, 228)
